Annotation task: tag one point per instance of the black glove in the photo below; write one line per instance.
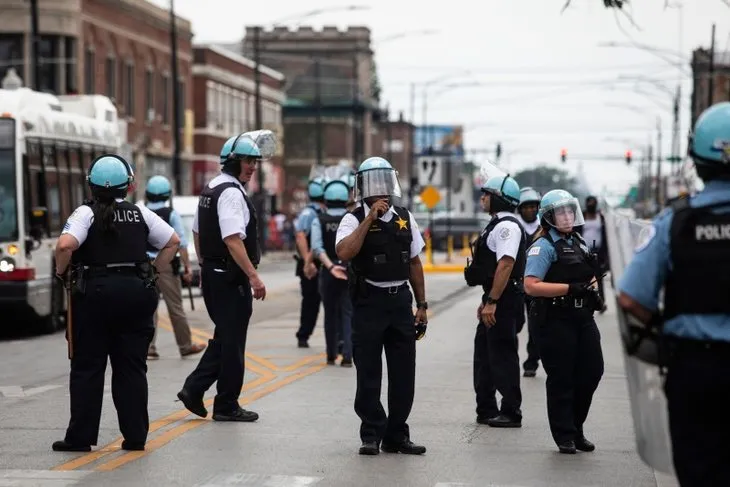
(578, 289)
(596, 299)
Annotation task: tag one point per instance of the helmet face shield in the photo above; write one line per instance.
(377, 182)
(264, 140)
(564, 214)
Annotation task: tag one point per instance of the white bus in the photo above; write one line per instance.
(46, 146)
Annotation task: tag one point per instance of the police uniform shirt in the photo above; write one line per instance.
(80, 221)
(305, 219)
(349, 223)
(316, 232)
(530, 228)
(504, 239)
(542, 254)
(233, 214)
(646, 274)
(175, 222)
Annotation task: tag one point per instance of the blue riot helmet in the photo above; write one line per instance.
(336, 194)
(505, 189)
(110, 174)
(376, 177)
(529, 195)
(158, 189)
(709, 144)
(258, 144)
(561, 210)
(315, 188)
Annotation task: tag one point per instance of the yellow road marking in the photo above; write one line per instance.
(178, 431)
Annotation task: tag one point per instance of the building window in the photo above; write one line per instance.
(110, 72)
(72, 72)
(244, 112)
(220, 108)
(48, 53)
(149, 94)
(90, 71)
(210, 101)
(11, 55)
(236, 113)
(129, 83)
(165, 98)
(181, 102)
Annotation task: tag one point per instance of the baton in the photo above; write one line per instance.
(190, 292)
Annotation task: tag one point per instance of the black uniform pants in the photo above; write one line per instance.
(698, 399)
(337, 315)
(113, 320)
(533, 350)
(497, 362)
(310, 306)
(384, 320)
(229, 306)
(570, 349)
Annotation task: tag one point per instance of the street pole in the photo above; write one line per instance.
(318, 108)
(355, 96)
(34, 45)
(176, 115)
(413, 170)
(449, 166)
(659, 164)
(259, 197)
(674, 165)
(389, 132)
(711, 80)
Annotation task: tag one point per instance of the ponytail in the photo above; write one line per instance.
(103, 208)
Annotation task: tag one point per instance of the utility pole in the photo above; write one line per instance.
(355, 99)
(318, 108)
(675, 132)
(34, 45)
(259, 197)
(412, 152)
(711, 80)
(176, 115)
(659, 164)
(389, 134)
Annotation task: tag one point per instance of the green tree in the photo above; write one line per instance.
(375, 88)
(544, 179)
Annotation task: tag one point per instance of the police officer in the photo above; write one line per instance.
(594, 233)
(382, 244)
(225, 233)
(687, 253)
(560, 275)
(333, 278)
(307, 273)
(499, 261)
(103, 246)
(527, 215)
(157, 193)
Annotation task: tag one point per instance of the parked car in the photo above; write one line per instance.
(459, 226)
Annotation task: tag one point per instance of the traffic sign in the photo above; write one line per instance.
(430, 171)
(430, 197)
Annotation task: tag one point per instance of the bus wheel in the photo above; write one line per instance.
(56, 319)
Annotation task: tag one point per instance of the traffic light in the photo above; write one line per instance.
(563, 155)
(628, 157)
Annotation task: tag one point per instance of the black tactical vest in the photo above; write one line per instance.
(699, 281)
(573, 265)
(128, 246)
(490, 257)
(163, 213)
(386, 252)
(212, 246)
(329, 224)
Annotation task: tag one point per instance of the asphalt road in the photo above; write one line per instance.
(308, 431)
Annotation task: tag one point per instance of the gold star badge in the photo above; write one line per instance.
(402, 224)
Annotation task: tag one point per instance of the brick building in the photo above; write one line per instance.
(393, 139)
(340, 62)
(224, 105)
(701, 75)
(118, 48)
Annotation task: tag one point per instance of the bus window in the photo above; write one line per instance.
(77, 177)
(8, 197)
(35, 173)
(52, 190)
(64, 179)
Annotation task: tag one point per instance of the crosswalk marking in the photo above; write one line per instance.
(257, 480)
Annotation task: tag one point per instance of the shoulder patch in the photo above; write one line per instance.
(534, 250)
(505, 233)
(645, 237)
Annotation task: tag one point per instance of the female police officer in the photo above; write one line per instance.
(114, 298)
(560, 275)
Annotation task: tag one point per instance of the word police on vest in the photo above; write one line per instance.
(204, 202)
(712, 232)
(331, 226)
(126, 216)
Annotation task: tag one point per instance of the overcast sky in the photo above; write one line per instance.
(539, 81)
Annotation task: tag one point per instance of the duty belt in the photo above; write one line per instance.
(392, 290)
(568, 302)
